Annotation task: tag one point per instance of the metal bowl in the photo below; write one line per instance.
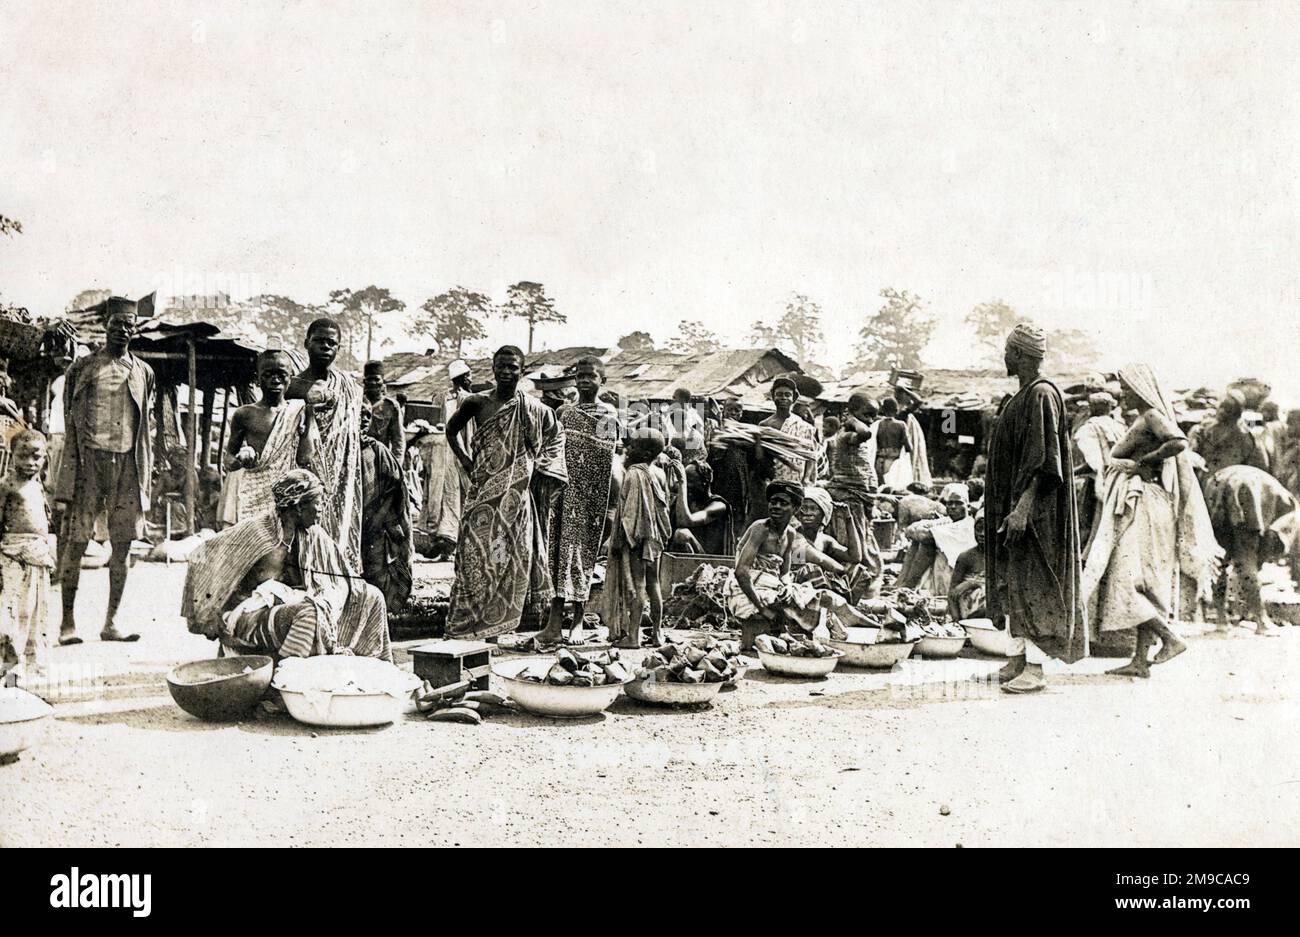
(316, 690)
(221, 689)
(24, 718)
(986, 639)
(940, 647)
(544, 699)
(669, 693)
(787, 665)
(877, 656)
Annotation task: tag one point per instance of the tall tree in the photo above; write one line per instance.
(693, 338)
(10, 226)
(798, 331)
(1071, 351)
(991, 322)
(762, 335)
(87, 298)
(455, 317)
(896, 334)
(528, 301)
(637, 342)
(360, 307)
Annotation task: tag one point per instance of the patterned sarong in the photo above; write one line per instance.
(249, 489)
(338, 465)
(501, 555)
(590, 434)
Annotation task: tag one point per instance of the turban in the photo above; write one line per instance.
(785, 382)
(1029, 339)
(296, 486)
(787, 488)
(955, 491)
(373, 369)
(822, 498)
(1101, 402)
(456, 369)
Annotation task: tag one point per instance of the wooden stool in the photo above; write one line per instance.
(445, 663)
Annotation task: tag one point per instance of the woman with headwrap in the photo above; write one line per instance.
(1093, 441)
(1154, 527)
(279, 584)
(935, 544)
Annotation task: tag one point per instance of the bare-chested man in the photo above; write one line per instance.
(267, 439)
(891, 438)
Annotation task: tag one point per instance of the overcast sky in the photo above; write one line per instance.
(1126, 168)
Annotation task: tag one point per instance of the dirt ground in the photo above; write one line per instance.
(1203, 754)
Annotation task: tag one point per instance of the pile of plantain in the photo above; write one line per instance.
(793, 645)
(702, 660)
(468, 707)
(573, 668)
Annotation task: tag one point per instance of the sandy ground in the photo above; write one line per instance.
(1203, 754)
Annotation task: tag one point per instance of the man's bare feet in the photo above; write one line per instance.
(1030, 681)
(111, 633)
(1168, 651)
(68, 636)
(1013, 668)
(1131, 669)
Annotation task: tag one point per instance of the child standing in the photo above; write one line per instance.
(25, 561)
(636, 544)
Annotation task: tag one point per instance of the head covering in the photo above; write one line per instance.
(296, 486)
(822, 498)
(1101, 402)
(790, 488)
(456, 369)
(1029, 339)
(784, 381)
(955, 491)
(116, 305)
(373, 369)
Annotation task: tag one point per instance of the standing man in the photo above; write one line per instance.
(452, 483)
(1093, 441)
(335, 400)
(385, 413)
(577, 524)
(686, 428)
(1032, 547)
(802, 472)
(516, 472)
(733, 475)
(891, 441)
(908, 403)
(1227, 440)
(853, 482)
(107, 463)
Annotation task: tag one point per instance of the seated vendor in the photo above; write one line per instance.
(934, 545)
(966, 593)
(278, 584)
(814, 514)
(702, 519)
(763, 585)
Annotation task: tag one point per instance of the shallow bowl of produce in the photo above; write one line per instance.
(343, 691)
(23, 720)
(875, 656)
(221, 689)
(787, 665)
(546, 699)
(986, 639)
(940, 647)
(654, 689)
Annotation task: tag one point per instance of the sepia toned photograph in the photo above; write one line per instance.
(749, 423)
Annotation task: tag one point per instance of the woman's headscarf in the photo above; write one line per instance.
(1197, 548)
(296, 486)
(822, 498)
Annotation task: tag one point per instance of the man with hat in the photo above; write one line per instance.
(935, 544)
(1032, 545)
(385, 415)
(107, 462)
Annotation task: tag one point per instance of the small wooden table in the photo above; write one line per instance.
(445, 663)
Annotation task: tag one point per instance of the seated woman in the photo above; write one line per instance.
(860, 579)
(277, 584)
(935, 544)
(967, 590)
(702, 518)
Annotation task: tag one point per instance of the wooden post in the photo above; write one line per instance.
(191, 435)
(221, 438)
(205, 433)
(160, 426)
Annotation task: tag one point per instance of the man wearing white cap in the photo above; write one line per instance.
(454, 481)
(1032, 543)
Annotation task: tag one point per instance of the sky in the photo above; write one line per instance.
(1127, 169)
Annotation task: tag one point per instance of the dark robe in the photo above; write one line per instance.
(385, 524)
(1036, 582)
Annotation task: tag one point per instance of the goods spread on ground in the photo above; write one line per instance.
(793, 645)
(342, 675)
(577, 668)
(701, 660)
(697, 602)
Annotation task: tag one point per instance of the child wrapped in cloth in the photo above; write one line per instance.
(764, 586)
(278, 584)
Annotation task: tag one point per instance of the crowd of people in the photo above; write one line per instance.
(1090, 517)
